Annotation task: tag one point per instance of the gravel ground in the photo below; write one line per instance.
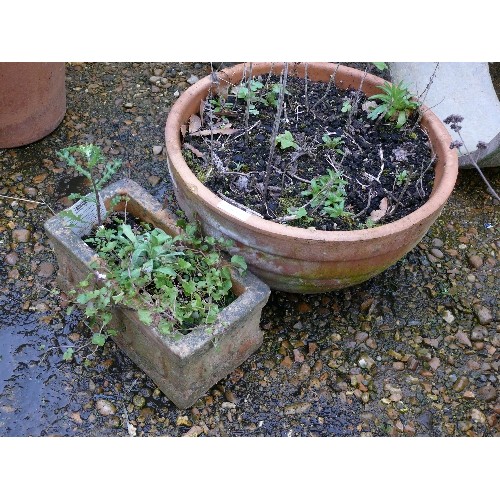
(412, 352)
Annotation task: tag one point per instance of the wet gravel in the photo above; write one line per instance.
(412, 352)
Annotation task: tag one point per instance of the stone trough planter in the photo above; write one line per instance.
(183, 369)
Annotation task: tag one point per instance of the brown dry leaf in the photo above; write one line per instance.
(376, 215)
(195, 151)
(220, 131)
(194, 123)
(183, 130)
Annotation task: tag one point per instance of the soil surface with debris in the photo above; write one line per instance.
(341, 167)
(413, 351)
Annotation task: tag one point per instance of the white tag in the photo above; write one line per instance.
(231, 209)
(87, 216)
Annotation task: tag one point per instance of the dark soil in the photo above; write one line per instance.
(377, 161)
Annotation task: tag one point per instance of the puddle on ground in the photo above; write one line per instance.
(34, 390)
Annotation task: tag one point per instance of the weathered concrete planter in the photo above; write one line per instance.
(303, 260)
(183, 369)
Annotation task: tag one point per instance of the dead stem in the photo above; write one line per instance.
(274, 134)
(305, 88)
(354, 108)
(332, 79)
(247, 107)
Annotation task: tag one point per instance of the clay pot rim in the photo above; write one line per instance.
(447, 163)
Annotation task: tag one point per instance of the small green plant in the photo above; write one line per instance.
(369, 223)
(346, 107)
(380, 65)
(299, 213)
(91, 158)
(272, 96)
(397, 104)
(286, 140)
(328, 191)
(401, 177)
(333, 143)
(173, 282)
(219, 104)
(249, 93)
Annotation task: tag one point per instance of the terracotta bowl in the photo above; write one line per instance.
(305, 260)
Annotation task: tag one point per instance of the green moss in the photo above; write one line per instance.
(194, 165)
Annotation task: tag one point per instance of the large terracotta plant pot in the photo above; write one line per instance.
(305, 260)
(184, 369)
(32, 101)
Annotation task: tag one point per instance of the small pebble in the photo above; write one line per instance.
(11, 258)
(437, 253)
(183, 420)
(434, 363)
(139, 401)
(475, 261)
(461, 384)
(154, 180)
(479, 332)
(21, 235)
(487, 393)
(105, 407)
(483, 314)
(45, 270)
(157, 150)
(30, 191)
(478, 416)
(448, 316)
(463, 338)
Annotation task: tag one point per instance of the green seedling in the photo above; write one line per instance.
(397, 104)
(333, 143)
(328, 191)
(219, 104)
(249, 93)
(286, 140)
(401, 177)
(273, 96)
(346, 107)
(87, 161)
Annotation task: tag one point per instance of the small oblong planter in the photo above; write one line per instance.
(295, 259)
(32, 101)
(183, 369)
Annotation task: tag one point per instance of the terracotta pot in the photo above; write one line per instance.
(295, 259)
(32, 101)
